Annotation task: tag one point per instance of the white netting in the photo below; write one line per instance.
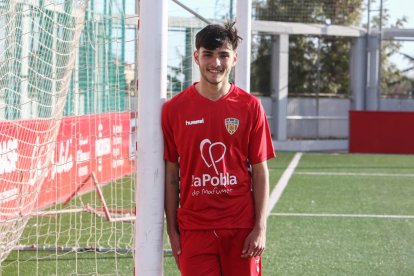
(75, 223)
(308, 11)
(37, 50)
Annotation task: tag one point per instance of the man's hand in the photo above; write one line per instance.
(255, 243)
(175, 246)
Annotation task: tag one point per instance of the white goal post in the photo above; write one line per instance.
(152, 76)
(151, 95)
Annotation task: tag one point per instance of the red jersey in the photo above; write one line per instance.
(213, 142)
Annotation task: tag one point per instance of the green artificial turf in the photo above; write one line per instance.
(340, 214)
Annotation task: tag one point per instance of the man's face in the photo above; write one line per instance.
(215, 65)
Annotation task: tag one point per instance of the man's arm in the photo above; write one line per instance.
(171, 205)
(255, 242)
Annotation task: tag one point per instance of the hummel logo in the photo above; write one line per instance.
(194, 122)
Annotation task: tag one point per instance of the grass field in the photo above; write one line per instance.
(344, 215)
(339, 214)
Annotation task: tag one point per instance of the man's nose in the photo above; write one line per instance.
(217, 61)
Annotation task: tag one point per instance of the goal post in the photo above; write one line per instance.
(152, 86)
(243, 24)
(152, 78)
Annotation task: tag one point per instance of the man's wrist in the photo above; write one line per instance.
(260, 226)
(172, 230)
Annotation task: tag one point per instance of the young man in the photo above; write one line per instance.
(217, 142)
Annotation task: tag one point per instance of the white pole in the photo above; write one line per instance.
(244, 26)
(152, 77)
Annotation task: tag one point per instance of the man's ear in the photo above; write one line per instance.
(235, 58)
(195, 54)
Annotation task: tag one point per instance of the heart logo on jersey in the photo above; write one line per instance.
(231, 125)
(213, 153)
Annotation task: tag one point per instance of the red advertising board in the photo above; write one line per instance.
(33, 177)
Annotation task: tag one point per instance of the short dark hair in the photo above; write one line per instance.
(214, 36)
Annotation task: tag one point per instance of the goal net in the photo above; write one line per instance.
(68, 131)
(37, 50)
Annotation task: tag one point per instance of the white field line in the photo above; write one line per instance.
(356, 174)
(341, 215)
(283, 181)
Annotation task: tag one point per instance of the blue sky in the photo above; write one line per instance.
(398, 9)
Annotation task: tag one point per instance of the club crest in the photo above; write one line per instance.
(231, 125)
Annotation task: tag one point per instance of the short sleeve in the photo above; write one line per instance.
(170, 148)
(260, 140)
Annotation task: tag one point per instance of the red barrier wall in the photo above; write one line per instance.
(381, 132)
(101, 144)
(88, 144)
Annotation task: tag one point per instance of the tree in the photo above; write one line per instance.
(316, 64)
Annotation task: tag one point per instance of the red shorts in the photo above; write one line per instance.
(216, 253)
